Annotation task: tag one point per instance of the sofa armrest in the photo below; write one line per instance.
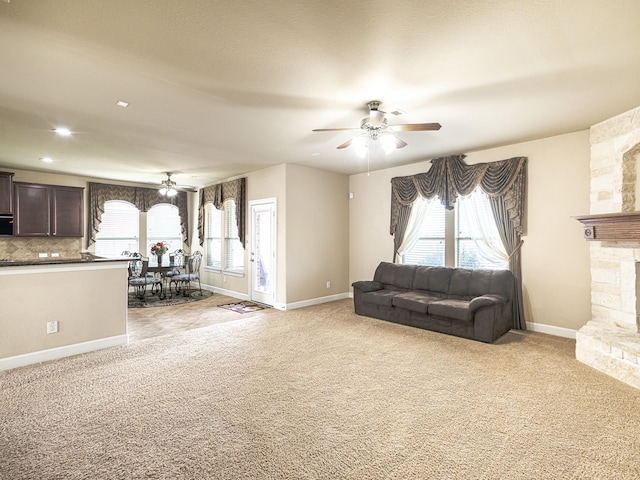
(485, 301)
(367, 286)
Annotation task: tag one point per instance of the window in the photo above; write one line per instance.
(214, 237)
(428, 246)
(119, 229)
(120, 226)
(467, 237)
(163, 225)
(224, 250)
(478, 243)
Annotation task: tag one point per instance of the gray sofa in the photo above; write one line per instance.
(474, 304)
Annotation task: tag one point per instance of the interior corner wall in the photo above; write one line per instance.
(555, 257)
(317, 234)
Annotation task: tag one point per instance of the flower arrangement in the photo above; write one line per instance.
(159, 249)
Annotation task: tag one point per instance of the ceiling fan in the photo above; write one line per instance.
(169, 188)
(375, 127)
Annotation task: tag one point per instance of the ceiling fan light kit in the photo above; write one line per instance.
(168, 187)
(375, 127)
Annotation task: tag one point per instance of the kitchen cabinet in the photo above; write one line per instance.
(48, 210)
(6, 193)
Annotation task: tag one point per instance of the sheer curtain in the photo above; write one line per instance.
(422, 209)
(475, 211)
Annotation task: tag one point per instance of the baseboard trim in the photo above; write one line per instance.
(552, 330)
(60, 352)
(228, 293)
(316, 301)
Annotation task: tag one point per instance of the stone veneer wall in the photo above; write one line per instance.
(19, 248)
(610, 341)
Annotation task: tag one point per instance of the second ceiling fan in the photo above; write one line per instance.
(375, 127)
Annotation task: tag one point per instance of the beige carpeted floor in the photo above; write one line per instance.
(319, 393)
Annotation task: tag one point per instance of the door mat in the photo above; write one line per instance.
(244, 307)
(176, 299)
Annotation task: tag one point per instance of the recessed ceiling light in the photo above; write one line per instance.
(62, 131)
(46, 160)
(122, 103)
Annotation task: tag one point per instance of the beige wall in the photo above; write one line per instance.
(556, 273)
(317, 233)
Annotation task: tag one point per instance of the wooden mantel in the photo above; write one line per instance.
(612, 227)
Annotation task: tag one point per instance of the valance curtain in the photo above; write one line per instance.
(142, 198)
(504, 182)
(217, 194)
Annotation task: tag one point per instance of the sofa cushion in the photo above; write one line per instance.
(432, 279)
(380, 297)
(451, 308)
(415, 301)
(468, 283)
(395, 275)
(367, 286)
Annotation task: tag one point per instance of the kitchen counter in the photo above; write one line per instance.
(60, 307)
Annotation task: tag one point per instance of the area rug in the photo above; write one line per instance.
(244, 307)
(176, 299)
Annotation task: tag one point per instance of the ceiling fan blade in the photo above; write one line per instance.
(400, 143)
(415, 127)
(345, 144)
(332, 129)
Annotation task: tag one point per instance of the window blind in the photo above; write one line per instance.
(119, 229)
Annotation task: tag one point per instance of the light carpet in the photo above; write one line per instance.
(319, 393)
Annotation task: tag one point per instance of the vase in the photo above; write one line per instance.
(159, 260)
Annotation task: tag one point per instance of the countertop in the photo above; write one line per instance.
(59, 260)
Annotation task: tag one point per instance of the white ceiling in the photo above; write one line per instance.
(221, 88)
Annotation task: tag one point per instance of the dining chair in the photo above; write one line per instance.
(176, 260)
(191, 274)
(139, 278)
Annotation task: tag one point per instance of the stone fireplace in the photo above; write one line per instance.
(610, 341)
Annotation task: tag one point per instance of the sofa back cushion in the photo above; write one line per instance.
(469, 283)
(433, 279)
(396, 275)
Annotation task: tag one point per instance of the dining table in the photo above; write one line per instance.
(162, 270)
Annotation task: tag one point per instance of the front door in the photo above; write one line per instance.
(262, 254)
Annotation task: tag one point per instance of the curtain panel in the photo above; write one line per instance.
(142, 198)
(218, 194)
(504, 182)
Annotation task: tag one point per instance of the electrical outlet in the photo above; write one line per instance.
(43, 255)
(55, 254)
(328, 284)
(224, 279)
(52, 327)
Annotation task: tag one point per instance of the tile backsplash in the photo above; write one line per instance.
(17, 248)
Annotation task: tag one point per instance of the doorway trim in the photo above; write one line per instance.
(273, 204)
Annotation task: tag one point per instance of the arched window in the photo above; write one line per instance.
(163, 225)
(119, 229)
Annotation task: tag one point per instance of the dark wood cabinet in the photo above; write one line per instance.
(48, 210)
(6, 193)
(67, 212)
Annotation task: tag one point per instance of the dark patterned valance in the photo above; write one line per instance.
(142, 198)
(450, 177)
(217, 194)
(503, 181)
